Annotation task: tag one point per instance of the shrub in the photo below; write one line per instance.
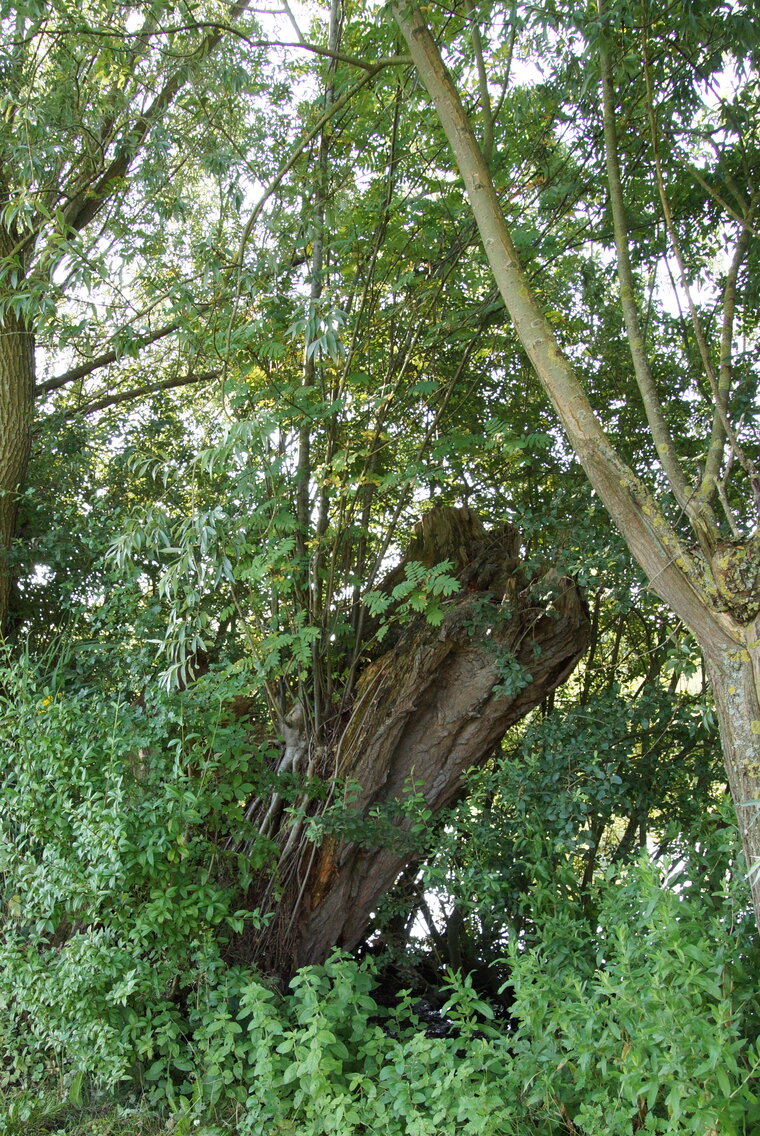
(640, 1017)
(111, 821)
(641, 1021)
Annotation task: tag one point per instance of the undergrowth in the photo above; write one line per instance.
(119, 1015)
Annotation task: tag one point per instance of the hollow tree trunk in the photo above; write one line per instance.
(431, 707)
(16, 414)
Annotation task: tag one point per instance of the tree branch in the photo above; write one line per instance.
(725, 376)
(684, 581)
(84, 369)
(712, 193)
(698, 511)
(485, 97)
(141, 392)
(82, 208)
(721, 413)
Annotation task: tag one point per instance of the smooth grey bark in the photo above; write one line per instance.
(717, 595)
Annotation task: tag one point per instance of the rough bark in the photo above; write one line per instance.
(433, 706)
(16, 415)
(734, 676)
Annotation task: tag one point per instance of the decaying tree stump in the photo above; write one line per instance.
(432, 706)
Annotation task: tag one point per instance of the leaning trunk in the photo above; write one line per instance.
(434, 704)
(716, 597)
(435, 707)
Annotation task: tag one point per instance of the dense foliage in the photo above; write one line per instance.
(631, 995)
(267, 341)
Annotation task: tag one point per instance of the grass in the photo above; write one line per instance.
(36, 1113)
(27, 1114)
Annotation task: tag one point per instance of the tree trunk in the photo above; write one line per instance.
(432, 706)
(16, 416)
(734, 677)
(715, 593)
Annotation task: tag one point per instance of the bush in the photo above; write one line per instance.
(641, 1021)
(640, 1017)
(111, 822)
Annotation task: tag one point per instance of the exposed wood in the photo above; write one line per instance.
(425, 712)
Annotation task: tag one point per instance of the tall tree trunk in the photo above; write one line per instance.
(734, 677)
(16, 415)
(716, 593)
(433, 705)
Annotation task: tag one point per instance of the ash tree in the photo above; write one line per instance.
(678, 152)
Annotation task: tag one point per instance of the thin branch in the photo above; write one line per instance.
(90, 200)
(737, 216)
(299, 149)
(714, 458)
(485, 97)
(141, 392)
(289, 13)
(223, 29)
(285, 168)
(308, 379)
(699, 335)
(85, 369)
(333, 56)
(704, 523)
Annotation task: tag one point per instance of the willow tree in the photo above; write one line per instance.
(692, 526)
(94, 97)
(130, 147)
(297, 509)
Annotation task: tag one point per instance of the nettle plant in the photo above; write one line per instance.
(646, 1020)
(118, 891)
(116, 913)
